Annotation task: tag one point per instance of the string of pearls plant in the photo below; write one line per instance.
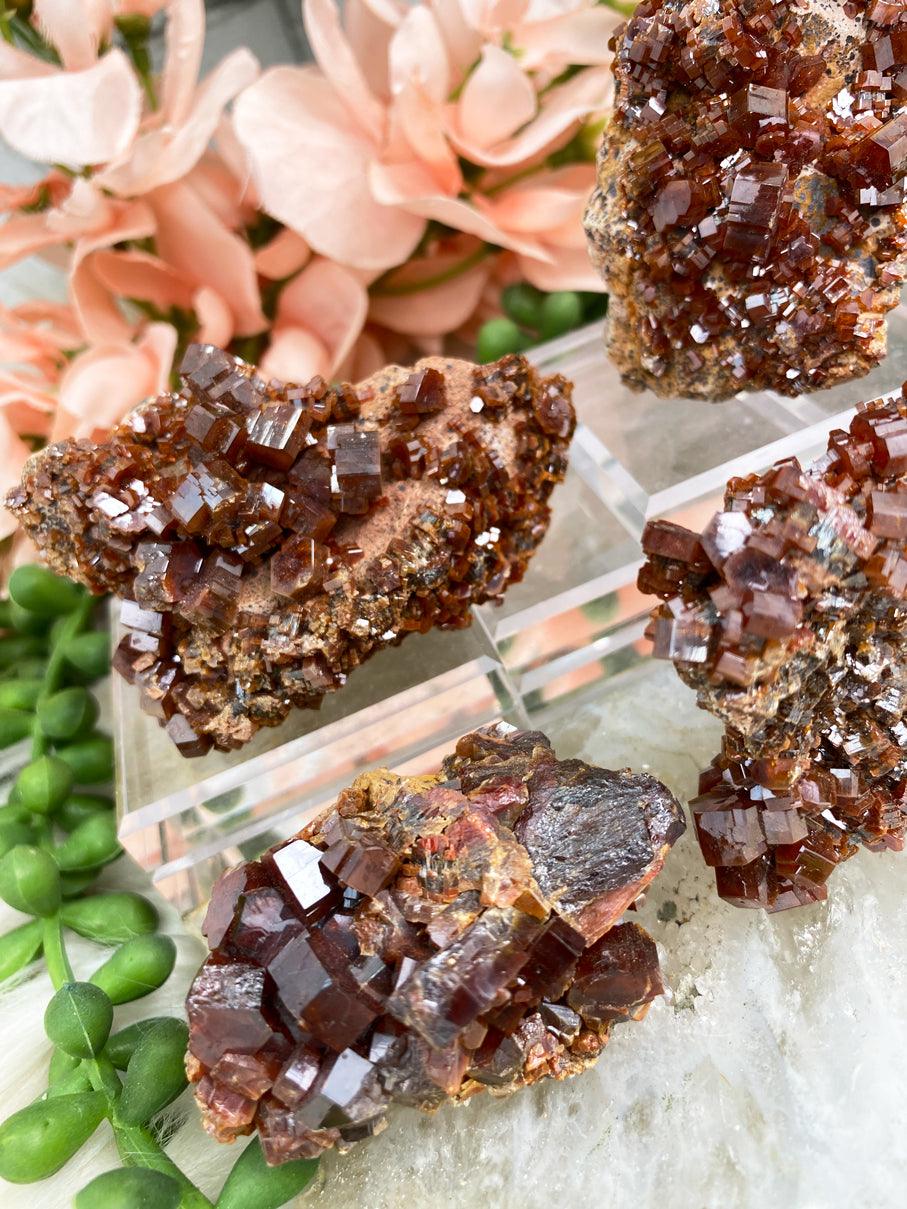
(57, 833)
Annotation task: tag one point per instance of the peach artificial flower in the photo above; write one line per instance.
(105, 381)
(160, 181)
(320, 314)
(357, 163)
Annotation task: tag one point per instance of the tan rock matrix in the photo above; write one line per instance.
(788, 616)
(267, 538)
(427, 939)
(749, 215)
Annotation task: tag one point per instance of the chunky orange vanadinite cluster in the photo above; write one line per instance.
(750, 218)
(428, 938)
(266, 538)
(788, 616)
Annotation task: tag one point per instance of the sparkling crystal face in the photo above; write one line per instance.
(401, 949)
(750, 213)
(787, 615)
(268, 538)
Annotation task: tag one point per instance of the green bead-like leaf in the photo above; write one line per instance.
(122, 1045)
(20, 694)
(32, 668)
(522, 303)
(562, 311)
(130, 1188)
(252, 1184)
(40, 591)
(81, 806)
(156, 1073)
(78, 1019)
(88, 656)
(44, 784)
(25, 622)
(14, 831)
(38, 1140)
(110, 919)
(70, 712)
(15, 725)
(498, 337)
(18, 647)
(92, 843)
(19, 947)
(90, 760)
(74, 884)
(30, 880)
(62, 1065)
(137, 968)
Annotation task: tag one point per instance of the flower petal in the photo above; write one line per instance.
(295, 355)
(73, 117)
(543, 202)
(192, 238)
(141, 275)
(328, 301)
(185, 40)
(418, 55)
(74, 27)
(580, 37)
(336, 59)
(411, 186)
(463, 42)
(565, 269)
(497, 99)
(369, 25)
(97, 310)
(419, 120)
(310, 166)
(102, 384)
(22, 235)
(167, 153)
(13, 455)
(227, 195)
(435, 311)
(215, 322)
(586, 93)
(283, 256)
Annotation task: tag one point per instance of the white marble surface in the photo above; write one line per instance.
(773, 1076)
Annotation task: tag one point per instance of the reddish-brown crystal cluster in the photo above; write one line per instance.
(788, 615)
(267, 538)
(427, 938)
(749, 216)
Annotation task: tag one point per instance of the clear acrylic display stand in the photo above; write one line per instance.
(576, 619)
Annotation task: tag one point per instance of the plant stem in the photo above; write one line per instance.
(55, 956)
(75, 622)
(138, 1148)
(385, 288)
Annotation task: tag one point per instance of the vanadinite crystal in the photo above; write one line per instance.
(749, 217)
(788, 615)
(425, 939)
(267, 538)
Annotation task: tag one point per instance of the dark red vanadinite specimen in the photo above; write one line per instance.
(788, 616)
(404, 948)
(749, 216)
(267, 538)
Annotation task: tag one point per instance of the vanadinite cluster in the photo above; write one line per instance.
(267, 538)
(749, 217)
(428, 938)
(788, 615)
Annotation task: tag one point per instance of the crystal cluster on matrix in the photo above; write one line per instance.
(788, 615)
(428, 938)
(749, 216)
(267, 538)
